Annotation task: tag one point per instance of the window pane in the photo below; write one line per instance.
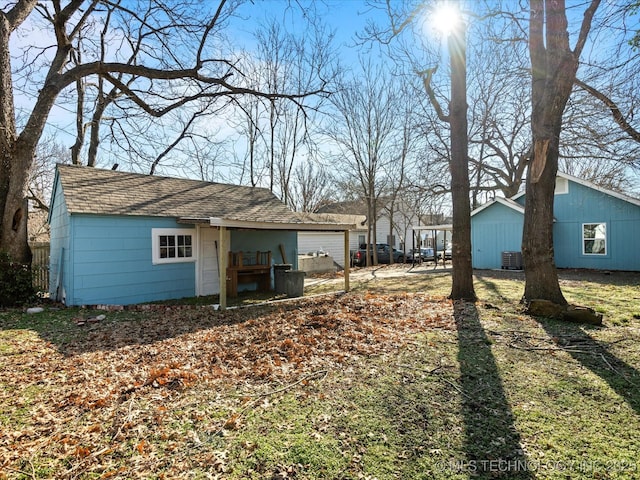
(589, 231)
(184, 246)
(172, 247)
(594, 237)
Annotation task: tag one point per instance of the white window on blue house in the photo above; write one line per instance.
(173, 245)
(594, 238)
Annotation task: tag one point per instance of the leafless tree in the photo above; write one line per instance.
(277, 132)
(49, 152)
(403, 166)
(313, 187)
(499, 104)
(249, 161)
(364, 132)
(181, 61)
(209, 160)
(406, 30)
(554, 64)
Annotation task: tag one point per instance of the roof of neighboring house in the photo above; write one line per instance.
(358, 208)
(593, 186)
(107, 192)
(360, 221)
(348, 207)
(507, 202)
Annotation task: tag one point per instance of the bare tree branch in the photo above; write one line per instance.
(426, 76)
(618, 117)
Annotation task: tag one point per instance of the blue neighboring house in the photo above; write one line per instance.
(122, 238)
(593, 228)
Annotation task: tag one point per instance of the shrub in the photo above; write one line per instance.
(16, 287)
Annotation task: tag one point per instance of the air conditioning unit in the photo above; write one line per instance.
(512, 260)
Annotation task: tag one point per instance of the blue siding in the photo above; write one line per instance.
(586, 205)
(494, 230)
(108, 259)
(112, 262)
(60, 245)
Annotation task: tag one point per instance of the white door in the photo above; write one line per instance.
(208, 276)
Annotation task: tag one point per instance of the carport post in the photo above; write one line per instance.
(223, 255)
(347, 260)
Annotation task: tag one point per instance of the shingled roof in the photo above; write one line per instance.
(107, 192)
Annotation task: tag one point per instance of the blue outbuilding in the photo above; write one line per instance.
(594, 228)
(122, 238)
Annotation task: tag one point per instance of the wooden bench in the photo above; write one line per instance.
(248, 267)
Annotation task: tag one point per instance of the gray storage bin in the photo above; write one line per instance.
(294, 283)
(278, 276)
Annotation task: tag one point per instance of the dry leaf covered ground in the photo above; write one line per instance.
(381, 383)
(104, 398)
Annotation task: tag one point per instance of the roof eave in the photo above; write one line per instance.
(507, 202)
(264, 225)
(445, 226)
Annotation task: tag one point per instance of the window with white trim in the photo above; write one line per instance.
(173, 245)
(594, 238)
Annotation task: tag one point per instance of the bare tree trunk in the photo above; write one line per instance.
(76, 148)
(541, 277)
(554, 67)
(14, 172)
(15, 162)
(462, 276)
(374, 232)
(102, 103)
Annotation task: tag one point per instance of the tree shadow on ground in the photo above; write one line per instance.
(74, 331)
(596, 355)
(491, 286)
(492, 443)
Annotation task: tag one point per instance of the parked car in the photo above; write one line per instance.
(422, 255)
(446, 253)
(384, 253)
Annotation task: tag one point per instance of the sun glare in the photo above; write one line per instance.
(446, 18)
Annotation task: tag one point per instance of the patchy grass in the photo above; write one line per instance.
(391, 381)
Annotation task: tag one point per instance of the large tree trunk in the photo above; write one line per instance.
(462, 276)
(554, 67)
(13, 203)
(541, 277)
(14, 164)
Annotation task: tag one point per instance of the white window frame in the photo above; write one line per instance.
(156, 233)
(584, 239)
